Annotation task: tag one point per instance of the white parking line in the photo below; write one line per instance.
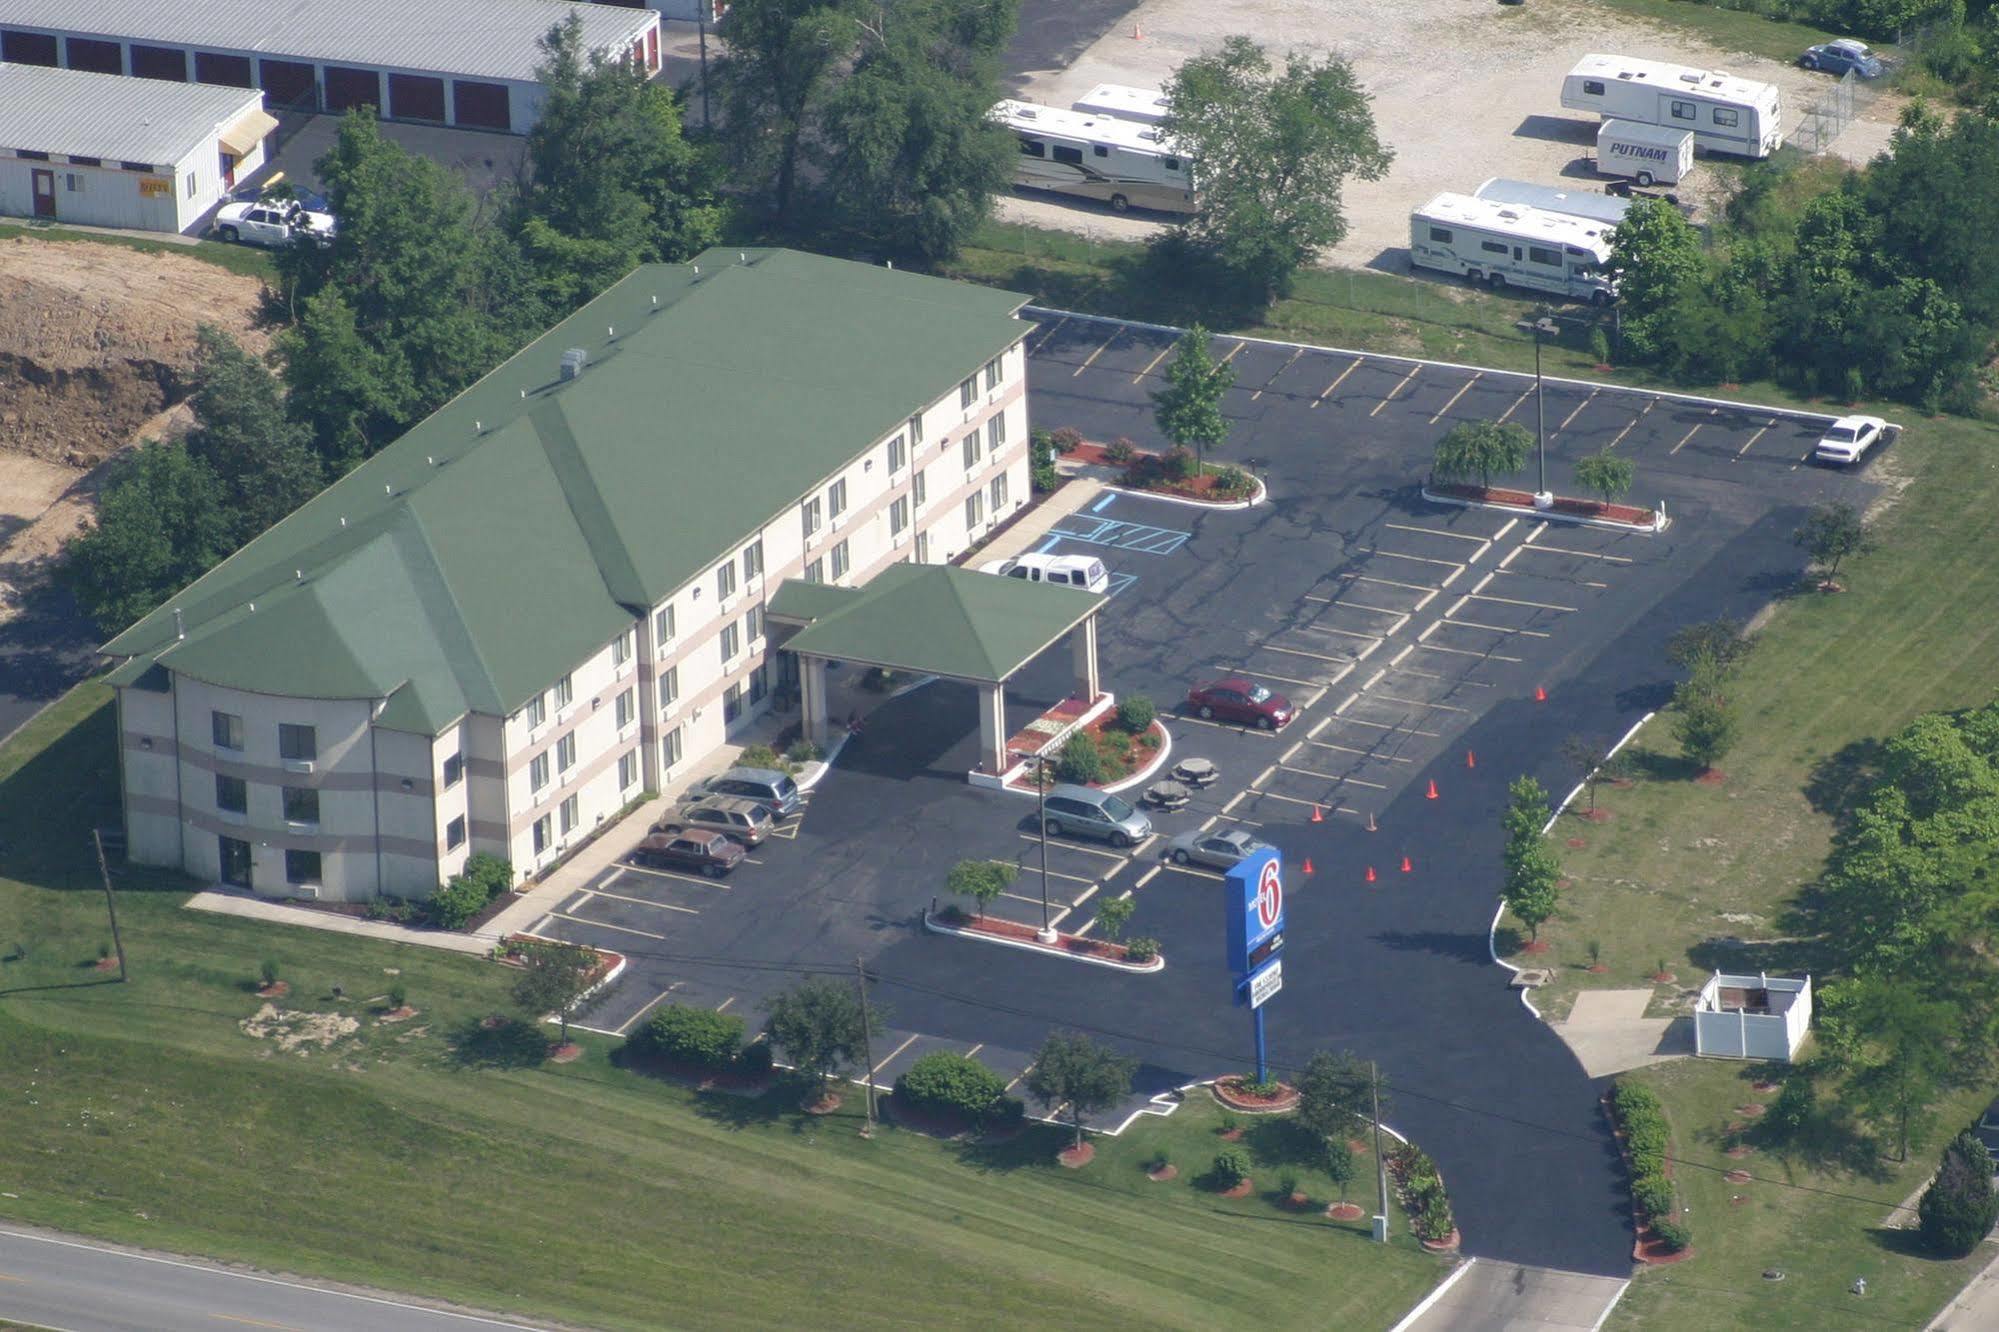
(1650, 403)
(1691, 433)
(1551, 578)
(1753, 438)
(1293, 800)
(1295, 354)
(1479, 586)
(1049, 333)
(669, 874)
(1174, 868)
(1524, 395)
(1584, 554)
(1147, 877)
(1384, 726)
(1364, 753)
(1407, 648)
(1329, 777)
(1457, 571)
(1374, 679)
(1300, 652)
(1418, 559)
(1511, 555)
(1498, 628)
(1384, 582)
(1061, 841)
(1419, 703)
(1436, 531)
(1462, 652)
(1512, 601)
(1452, 679)
(1244, 670)
(640, 901)
(1577, 412)
(1091, 358)
(898, 1050)
(621, 929)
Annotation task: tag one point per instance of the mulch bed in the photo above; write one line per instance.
(1596, 815)
(1230, 1135)
(565, 1054)
(730, 1081)
(1535, 946)
(1664, 977)
(1449, 1244)
(1242, 1190)
(1738, 1176)
(1581, 508)
(1596, 968)
(1075, 1158)
(1229, 1091)
(823, 1104)
(1711, 777)
(1298, 1201)
(106, 964)
(1577, 844)
(275, 990)
(1752, 1110)
(1345, 1212)
(1008, 929)
(1765, 1086)
(1131, 755)
(1143, 472)
(930, 1123)
(403, 1014)
(1644, 1248)
(1163, 1174)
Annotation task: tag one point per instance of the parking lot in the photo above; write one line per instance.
(1421, 643)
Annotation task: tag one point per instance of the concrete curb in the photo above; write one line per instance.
(1259, 496)
(1659, 521)
(932, 924)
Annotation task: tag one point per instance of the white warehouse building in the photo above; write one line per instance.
(550, 596)
(105, 151)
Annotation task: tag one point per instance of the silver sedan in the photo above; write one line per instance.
(1218, 850)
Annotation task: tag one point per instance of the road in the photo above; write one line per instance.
(55, 1281)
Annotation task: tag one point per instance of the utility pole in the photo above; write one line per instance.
(867, 1044)
(1540, 327)
(110, 903)
(1380, 1161)
(1047, 932)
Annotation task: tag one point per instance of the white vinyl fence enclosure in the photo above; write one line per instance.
(1752, 1017)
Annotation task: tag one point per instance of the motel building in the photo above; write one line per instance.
(550, 597)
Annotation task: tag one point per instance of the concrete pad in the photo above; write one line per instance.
(1609, 1032)
(1508, 1297)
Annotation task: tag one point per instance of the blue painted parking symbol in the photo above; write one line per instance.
(1141, 538)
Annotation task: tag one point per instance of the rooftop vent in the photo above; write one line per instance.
(572, 362)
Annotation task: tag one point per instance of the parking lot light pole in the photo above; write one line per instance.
(1046, 934)
(1541, 327)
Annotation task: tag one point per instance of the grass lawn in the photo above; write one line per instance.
(1821, 1235)
(236, 258)
(433, 1157)
(1730, 29)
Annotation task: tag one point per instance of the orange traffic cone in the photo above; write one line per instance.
(1370, 874)
(1471, 759)
(1318, 815)
(1406, 866)
(1433, 790)
(1540, 694)
(1370, 822)
(1308, 864)
(1137, 34)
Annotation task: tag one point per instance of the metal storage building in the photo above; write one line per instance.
(115, 152)
(452, 62)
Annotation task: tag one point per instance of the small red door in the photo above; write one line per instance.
(45, 193)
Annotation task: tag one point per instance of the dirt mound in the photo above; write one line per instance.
(96, 339)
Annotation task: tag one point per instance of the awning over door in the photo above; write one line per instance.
(248, 132)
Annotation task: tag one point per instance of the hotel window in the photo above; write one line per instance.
(898, 454)
(759, 683)
(227, 728)
(544, 831)
(836, 498)
(992, 374)
(732, 703)
(898, 515)
(565, 752)
(628, 770)
(454, 833)
(753, 561)
(454, 770)
(538, 772)
(621, 649)
(753, 623)
(923, 548)
(662, 626)
(999, 492)
(301, 804)
(725, 580)
(627, 706)
(538, 709)
(301, 867)
(297, 742)
(840, 561)
(732, 641)
(968, 391)
(971, 450)
(916, 432)
(231, 794)
(975, 510)
(996, 432)
(568, 809)
(809, 513)
(669, 687)
(565, 690)
(669, 749)
(815, 572)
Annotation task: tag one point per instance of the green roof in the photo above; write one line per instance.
(526, 523)
(796, 599)
(934, 619)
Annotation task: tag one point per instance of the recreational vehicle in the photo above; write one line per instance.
(1648, 154)
(1724, 113)
(1576, 203)
(1501, 243)
(1147, 106)
(1119, 162)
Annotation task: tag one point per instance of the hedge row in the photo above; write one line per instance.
(1648, 1138)
(700, 1038)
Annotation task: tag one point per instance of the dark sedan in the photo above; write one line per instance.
(708, 852)
(1235, 699)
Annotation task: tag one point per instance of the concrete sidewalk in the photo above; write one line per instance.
(1509, 1297)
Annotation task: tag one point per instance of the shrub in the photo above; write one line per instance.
(954, 1083)
(269, 971)
(1179, 462)
(1141, 949)
(1149, 740)
(1434, 1221)
(399, 995)
(1653, 1194)
(1957, 1210)
(1267, 1087)
(981, 880)
(1135, 713)
(1067, 438)
(496, 874)
(454, 905)
(1287, 1183)
(1081, 761)
(1233, 481)
(1159, 1160)
(1672, 1232)
(1043, 477)
(1599, 345)
(1120, 451)
(804, 751)
(1226, 1121)
(1111, 764)
(1794, 1107)
(1231, 1167)
(755, 1058)
(760, 756)
(395, 910)
(690, 1035)
(103, 951)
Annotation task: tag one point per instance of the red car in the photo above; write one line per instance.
(696, 849)
(1235, 699)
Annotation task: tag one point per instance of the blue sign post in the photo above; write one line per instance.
(1255, 905)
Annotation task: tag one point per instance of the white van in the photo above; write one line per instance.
(1648, 154)
(1084, 571)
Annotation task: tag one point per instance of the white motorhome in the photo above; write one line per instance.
(1576, 203)
(1648, 154)
(1506, 243)
(1724, 113)
(1120, 101)
(1118, 162)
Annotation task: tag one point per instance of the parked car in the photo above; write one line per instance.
(1083, 811)
(708, 852)
(1219, 850)
(1848, 439)
(774, 790)
(745, 820)
(276, 194)
(1837, 57)
(275, 224)
(1235, 699)
(1084, 571)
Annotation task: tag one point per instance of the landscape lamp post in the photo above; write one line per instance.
(1542, 327)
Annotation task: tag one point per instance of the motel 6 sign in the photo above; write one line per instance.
(1255, 904)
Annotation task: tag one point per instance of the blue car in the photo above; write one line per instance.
(1841, 56)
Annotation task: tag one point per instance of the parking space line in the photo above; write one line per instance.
(1362, 605)
(1292, 800)
(1384, 726)
(1397, 389)
(1383, 582)
(1233, 352)
(1407, 648)
(1524, 394)
(621, 929)
(1148, 876)
(1327, 390)
(1753, 438)
(1372, 680)
(1286, 679)
(1577, 412)
(898, 1050)
(1049, 332)
(1091, 358)
(1420, 703)
(1463, 652)
(1552, 578)
(1368, 651)
(1233, 818)
(1364, 753)
(1512, 601)
(1220, 726)
(1456, 606)
(1583, 554)
(723, 1007)
(1479, 586)
(1455, 396)
(1330, 777)
(582, 896)
(1428, 597)
(1073, 846)
(1296, 352)
(1691, 433)
(1451, 679)
(1419, 559)
(1347, 702)
(640, 901)
(1511, 555)
(1499, 628)
(1435, 531)
(1650, 403)
(1172, 868)
(1473, 558)
(1428, 629)
(1163, 351)
(1301, 652)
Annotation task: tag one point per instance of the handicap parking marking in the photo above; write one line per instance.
(1140, 538)
(1118, 583)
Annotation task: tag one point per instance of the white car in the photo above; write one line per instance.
(1084, 571)
(273, 223)
(1848, 438)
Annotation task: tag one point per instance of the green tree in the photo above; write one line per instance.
(1588, 756)
(1334, 1095)
(1532, 890)
(1339, 1166)
(242, 434)
(1481, 449)
(1070, 1069)
(554, 978)
(1605, 474)
(1703, 724)
(981, 880)
(1905, 1057)
(1958, 1209)
(610, 183)
(913, 158)
(1713, 645)
(782, 60)
(1113, 914)
(338, 386)
(161, 524)
(1271, 151)
(820, 1026)
(1831, 533)
(1188, 410)
(951, 1082)
(1656, 256)
(1527, 811)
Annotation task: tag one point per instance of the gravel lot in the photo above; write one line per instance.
(1463, 90)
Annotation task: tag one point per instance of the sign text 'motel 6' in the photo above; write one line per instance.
(1255, 905)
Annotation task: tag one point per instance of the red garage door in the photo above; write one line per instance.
(227, 70)
(482, 105)
(286, 83)
(159, 62)
(28, 48)
(101, 57)
(346, 88)
(415, 98)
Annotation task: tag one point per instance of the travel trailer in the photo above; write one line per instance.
(1119, 162)
(1511, 244)
(1147, 106)
(1725, 114)
(1648, 154)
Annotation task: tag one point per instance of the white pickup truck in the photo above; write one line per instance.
(1084, 571)
(274, 224)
